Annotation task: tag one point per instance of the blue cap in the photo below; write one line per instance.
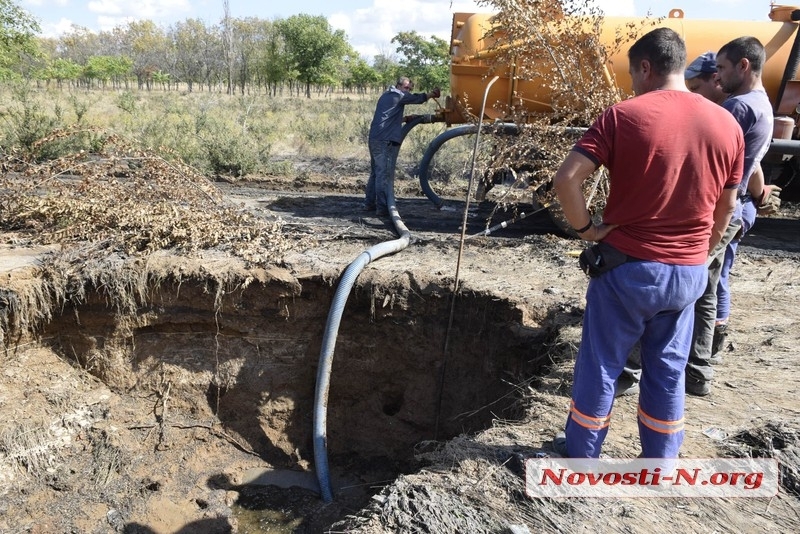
(704, 64)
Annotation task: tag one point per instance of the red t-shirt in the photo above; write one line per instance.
(669, 155)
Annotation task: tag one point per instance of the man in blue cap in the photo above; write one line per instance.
(701, 78)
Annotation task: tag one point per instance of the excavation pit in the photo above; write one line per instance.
(252, 362)
(203, 379)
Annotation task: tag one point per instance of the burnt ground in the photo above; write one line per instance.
(192, 411)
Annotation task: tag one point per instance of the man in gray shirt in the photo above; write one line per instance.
(739, 66)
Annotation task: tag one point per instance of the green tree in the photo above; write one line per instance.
(120, 68)
(62, 70)
(188, 38)
(161, 78)
(424, 60)
(312, 48)
(147, 45)
(251, 40)
(17, 38)
(99, 68)
(387, 69)
(108, 68)
(361, 76)
(274, 67)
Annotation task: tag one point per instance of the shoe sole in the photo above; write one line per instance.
(701, 392)
(630, 390)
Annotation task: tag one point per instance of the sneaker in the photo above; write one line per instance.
(382, 212)
(560, 445)
(698, 388)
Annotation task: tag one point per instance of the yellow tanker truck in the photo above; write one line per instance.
(477, 41)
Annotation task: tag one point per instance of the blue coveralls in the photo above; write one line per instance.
(642, 301)
(385, 136)
(749, 212)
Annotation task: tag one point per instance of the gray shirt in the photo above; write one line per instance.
(753, 112)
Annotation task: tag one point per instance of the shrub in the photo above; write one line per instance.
(25, 121)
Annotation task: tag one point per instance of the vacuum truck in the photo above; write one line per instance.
(489, 66)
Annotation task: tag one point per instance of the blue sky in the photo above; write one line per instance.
(369, 24)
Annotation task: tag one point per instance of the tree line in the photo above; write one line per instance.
(298, 55)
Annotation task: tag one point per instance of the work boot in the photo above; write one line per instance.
(697, 387)
(626, 385)
(560, 445)
(718, 343)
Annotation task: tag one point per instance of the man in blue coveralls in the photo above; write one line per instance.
(385, 136)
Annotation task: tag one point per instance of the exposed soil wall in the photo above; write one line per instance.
(248, 354)
(170, 383)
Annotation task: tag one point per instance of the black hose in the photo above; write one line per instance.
(334, 320)
(784, 147)
(791, 64)
(436, 144)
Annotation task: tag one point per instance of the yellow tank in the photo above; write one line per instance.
(471, 55)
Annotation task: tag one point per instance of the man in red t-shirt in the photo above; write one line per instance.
(675, 161)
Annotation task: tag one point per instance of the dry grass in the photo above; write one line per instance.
(28, 447)
(110, 211)
(121, 199)
(560, 49)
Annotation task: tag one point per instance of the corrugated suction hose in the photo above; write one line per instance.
(334, 319)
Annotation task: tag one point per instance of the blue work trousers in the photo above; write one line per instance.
(723, 287)
(641, 301)
(382, 162)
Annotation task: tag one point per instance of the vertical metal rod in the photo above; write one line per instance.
(458, 263)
